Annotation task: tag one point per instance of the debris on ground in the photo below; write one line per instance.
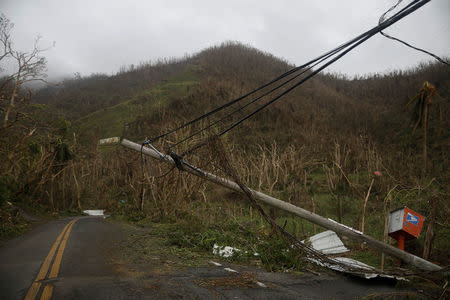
(243, 280)
(230, 270)
(260, 284)
(215, 263)
(227, 251)
(327, 242)
(96, 212)
(224, 251)
(354, 267)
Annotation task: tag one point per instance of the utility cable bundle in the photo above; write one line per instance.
(281, 85)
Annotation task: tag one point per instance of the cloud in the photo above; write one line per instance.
(101, 36)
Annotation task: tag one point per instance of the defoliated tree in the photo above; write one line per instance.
(17, 68)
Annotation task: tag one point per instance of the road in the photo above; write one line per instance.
(70, 259)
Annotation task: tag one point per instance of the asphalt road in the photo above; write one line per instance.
(69, 259)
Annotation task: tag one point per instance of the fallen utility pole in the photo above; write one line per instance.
(300, 212)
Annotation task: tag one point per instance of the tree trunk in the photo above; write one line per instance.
(11, 102)
(425, 129)
(387, 209)
(364, 206)
(51, 195)
(77, 186)
(430, 228)
(142, 199)
(314, 211)
(339, 199)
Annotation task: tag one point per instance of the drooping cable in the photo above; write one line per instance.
(382, 18)
(249, 103)
(351, 45)
(293, 70)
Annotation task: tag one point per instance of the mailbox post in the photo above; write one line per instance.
(405, 224)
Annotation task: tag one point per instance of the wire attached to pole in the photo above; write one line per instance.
(382, 18)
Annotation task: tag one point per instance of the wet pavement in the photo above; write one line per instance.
(86, 272)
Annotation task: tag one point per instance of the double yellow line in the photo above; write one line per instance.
(60, 242)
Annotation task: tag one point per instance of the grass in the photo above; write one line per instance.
(193, 242)
(12, 224)
(187, 232)
(148, 246)
(110, 122)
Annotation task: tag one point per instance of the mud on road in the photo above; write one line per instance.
(109, 260)
(156, 269)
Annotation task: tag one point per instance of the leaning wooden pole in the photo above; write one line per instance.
(302, 213)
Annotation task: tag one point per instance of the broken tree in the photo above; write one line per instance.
(302, 213)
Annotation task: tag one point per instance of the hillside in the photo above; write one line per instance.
(101, 106)
(317, 148)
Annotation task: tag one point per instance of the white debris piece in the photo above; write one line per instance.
(215, 263)
(261, 284)
(224, 251)
(230, 270)
(356, 268)
(94, 212)
(111, 140)
(328, 242)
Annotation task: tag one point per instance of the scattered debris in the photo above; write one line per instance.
(224, 251)
(244, 280)
(230, 270)
(261, 284)
(355, 267)
(327, 242)
(111, 140)
(248, 278)
(227, 251)
(95, 212)
(215, 263)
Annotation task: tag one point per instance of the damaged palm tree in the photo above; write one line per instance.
(423, 101)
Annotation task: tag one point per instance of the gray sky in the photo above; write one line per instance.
(100, 36)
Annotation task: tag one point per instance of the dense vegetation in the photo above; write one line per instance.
(317, 148)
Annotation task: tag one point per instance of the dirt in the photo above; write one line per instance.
(157, 269)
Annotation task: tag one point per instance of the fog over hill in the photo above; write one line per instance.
(102, 36)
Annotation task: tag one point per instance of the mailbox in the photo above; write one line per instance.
(405, 224)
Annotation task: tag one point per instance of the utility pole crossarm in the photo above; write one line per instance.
(300, 212)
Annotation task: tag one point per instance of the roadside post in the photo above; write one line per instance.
(405, 224)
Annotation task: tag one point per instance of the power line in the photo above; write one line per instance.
(248, 104)
(333, 54)
(234, 101)
(383, 16)
(349, 46)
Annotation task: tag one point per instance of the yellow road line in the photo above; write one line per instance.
(36, 285)
(57, 263)
(33, 291)
(47, 292)
(46, 265)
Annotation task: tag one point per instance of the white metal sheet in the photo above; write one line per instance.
(328, 242)
(396, 220)
(94, 212)
(356, 268)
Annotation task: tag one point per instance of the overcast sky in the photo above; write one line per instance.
(100, 36)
